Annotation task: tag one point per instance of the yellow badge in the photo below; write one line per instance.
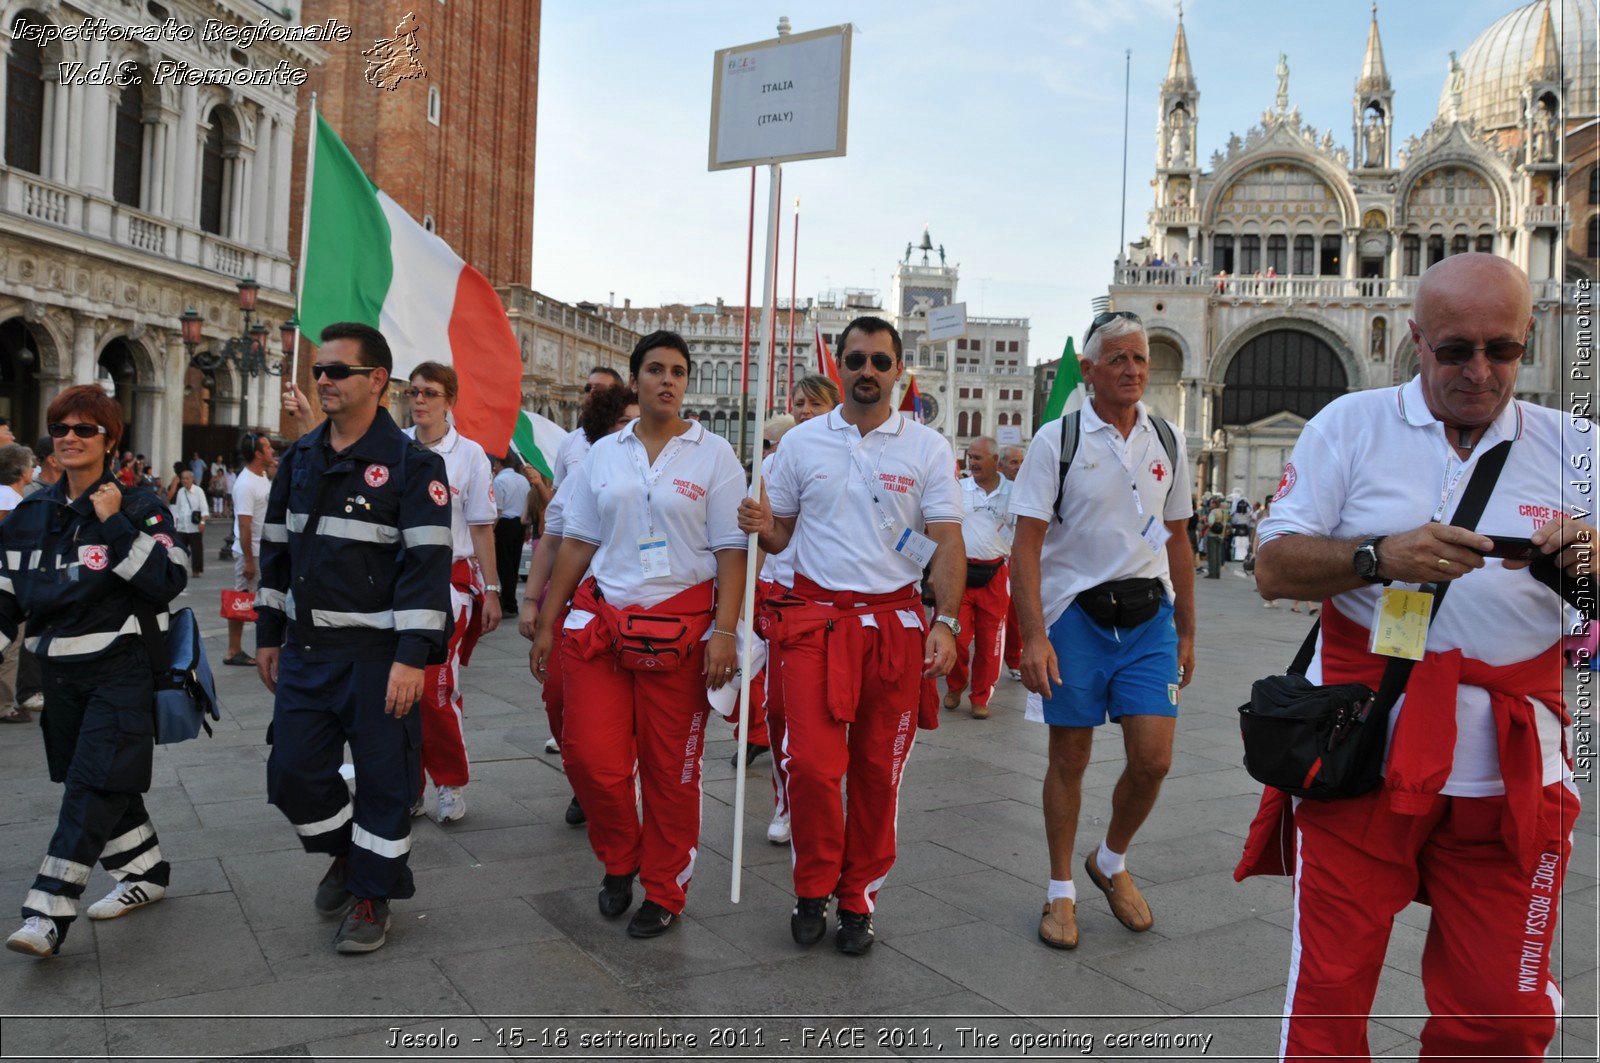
(1400, 628)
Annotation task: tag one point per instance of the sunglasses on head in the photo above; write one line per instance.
(1106, 318)
(339, 370)
(768, 444)
(83, 430)
(1460, 352)
(880, 361)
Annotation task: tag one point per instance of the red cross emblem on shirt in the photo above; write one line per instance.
(1158, 470)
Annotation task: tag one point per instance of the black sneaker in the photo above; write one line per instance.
(616, 895)
(365, 927)
(809, 921)
(855, 935)
(332, 896)
(751, 752)
(575, 816)
(651, 920)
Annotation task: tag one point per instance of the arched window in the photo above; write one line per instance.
(1222, 253)
(722, 378)
(1411, 255)
(1458, 244)
(25, 103)
(127, 168)
(977, 422)
(1484, 243)
(1249, 254)
(961, 423)
(1594, 237)
(1435, 249)
(1594, 185)
(1278, 254)
(211, 168)
(1285, 369)
(1305, 256)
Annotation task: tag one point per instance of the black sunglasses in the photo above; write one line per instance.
(339, 370)
(1106, 319)
(83, 430)
(1460, 352)
(880, 361)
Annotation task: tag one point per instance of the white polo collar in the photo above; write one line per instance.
(1090, 421)
(1412, 406)
(695, 434)
(895, 425)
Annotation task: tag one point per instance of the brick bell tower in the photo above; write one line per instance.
(454, 148)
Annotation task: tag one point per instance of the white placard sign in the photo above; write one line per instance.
(947, 322)
(1009, 435)
(781, 100)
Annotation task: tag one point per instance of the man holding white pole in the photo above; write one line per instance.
(867, 498)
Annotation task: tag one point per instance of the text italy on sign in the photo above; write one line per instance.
(781, 100)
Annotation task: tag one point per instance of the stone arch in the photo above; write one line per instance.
(1426, 167)
(1170, 363)
(1277, 371)
(1303, 321)
(1330, 175)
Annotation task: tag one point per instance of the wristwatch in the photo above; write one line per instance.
(950, 622)
(1366, 559)
(493, 588)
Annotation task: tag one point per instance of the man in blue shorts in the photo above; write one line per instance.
(1103, 578)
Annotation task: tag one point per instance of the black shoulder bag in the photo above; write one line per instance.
(1327, 742)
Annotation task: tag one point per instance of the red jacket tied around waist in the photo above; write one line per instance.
(695, 607)
(810, 608)
(1422, 745)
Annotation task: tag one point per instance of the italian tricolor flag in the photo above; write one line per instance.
(537, 439)
(366, 260)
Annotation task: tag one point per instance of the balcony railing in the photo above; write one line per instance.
(29, 196)
(1546, 214)
(1289, 289)
(1177, 214)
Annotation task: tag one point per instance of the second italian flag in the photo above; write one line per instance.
(367, 260)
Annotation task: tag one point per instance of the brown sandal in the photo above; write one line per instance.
(16, 715)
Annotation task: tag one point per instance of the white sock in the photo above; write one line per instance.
(1108, 862)
(1060, 888)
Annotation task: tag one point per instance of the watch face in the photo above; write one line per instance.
(1366, 561)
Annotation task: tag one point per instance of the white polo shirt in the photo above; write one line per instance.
(569, 455)
(989, 525)
(842, 488)
(510, 493)
(1099, 536)
(555, 511)
(690, 494)
(471, 491)
(1378, 463)
(777, 568)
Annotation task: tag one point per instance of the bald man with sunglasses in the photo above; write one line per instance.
(1475, 813)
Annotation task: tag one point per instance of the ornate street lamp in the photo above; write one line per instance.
(246, 352)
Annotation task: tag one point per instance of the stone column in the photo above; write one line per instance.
(5, 49)
(58, 103)
(75, 140)
(282, 166)
(83, 330)
(177, 362)
(156, 177)
(185, 169)
(95, 114)
(1350, 255)
(260, 169)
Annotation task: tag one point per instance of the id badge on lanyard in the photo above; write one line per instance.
(655, 550)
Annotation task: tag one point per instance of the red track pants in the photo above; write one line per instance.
(1013, 653)
(656, 720)
(444, 745)
(1488, 944)
(843, 852)
(983, 635)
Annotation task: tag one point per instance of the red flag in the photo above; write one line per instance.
(911, 401)
(825, 361)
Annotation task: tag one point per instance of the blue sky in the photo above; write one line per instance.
(999, 125)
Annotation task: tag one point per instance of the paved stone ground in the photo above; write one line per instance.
(503, 933)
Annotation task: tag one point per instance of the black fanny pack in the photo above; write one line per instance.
(1123, 602)
(979, 573)
(1327, 742)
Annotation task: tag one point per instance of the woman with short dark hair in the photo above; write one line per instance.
(90, 564)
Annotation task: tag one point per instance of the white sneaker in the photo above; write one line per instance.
(552, 746)
(452, 804)
(34, 703)
(36, 937)
(778, 830)
(1016, 674)
(124, 898)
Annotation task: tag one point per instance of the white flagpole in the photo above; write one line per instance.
(305, 238)
(747, 619)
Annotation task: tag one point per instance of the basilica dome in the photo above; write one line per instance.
(1495, 65)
